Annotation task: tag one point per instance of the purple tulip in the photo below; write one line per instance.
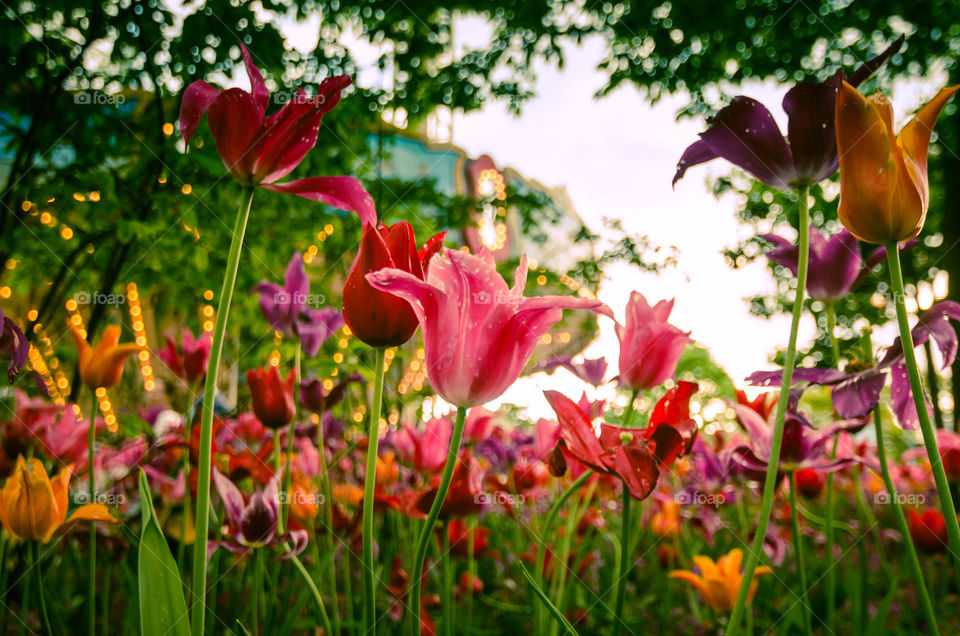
(315, 398)
(590, 370)
(13, 346)
(745, 133)
(803, 445)
(835, 265)
(253, 523)
(287, 308)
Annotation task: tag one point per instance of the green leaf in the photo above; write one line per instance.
(162, 608)
(556, 613)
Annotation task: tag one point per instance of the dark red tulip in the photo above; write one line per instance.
(809, 482)
(928, 529)
(379, 318)
(272, 397)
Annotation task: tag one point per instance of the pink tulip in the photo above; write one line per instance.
(649, 346)
(478, 333)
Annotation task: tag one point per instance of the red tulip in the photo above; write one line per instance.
(196, 352)
(649, 346)
(376, 317)
(928, 529)
(272, 397)
(258, 150)
(478, 333)
(809, 482)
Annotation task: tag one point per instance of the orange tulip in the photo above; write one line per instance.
(719, 582)
(103, 366)
(33, 507)
(884, 192)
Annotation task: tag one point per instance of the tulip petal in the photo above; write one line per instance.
(258, 89)
(869, 67)
(235, 117)
(859, 394)
(810, 108)
(915, 136)
(197, 99)
(745, 134)
(232, 499)
(901, 398)
(345, 193)
(576, 431)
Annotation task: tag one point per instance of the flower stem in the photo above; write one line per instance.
(798, 548)
(920, 402)
(328, 523)
(182, 547)
(831, 574)
(770, 482)
(316, 594)
(91, 476)
(35, 565)
(625, 563)
(832, 330)
(291, 435)
(369, 490)
(447, 581)
(427, 532)
(545, 530)
(915, 569)
(206, 421)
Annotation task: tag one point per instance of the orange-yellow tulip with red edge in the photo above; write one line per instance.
(102, 366)
(718, 583)
(33, 507)
(884, 194)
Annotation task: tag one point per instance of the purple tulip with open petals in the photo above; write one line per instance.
(589, 370)
(746, 134)
(835, 265)
(803, 445)
(287, 308)
(253, 523)
(13, 346)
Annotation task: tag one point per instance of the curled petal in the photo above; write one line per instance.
(197, 99)
(345, 193)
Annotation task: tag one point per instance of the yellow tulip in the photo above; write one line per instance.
(719, 582)
(103, 366)
(33, 507)
(884, 194)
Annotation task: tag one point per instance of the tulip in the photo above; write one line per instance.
(928, 529)
(745, 133)
(254, 523)
(102, 366)
(884, 192)
(272, 398)
(315, 397)
(650, 347)
(376, 317)
(192, 365)
(13, 346)
(258, 150)
(719, 582)
(809, 482)
(477, 332)
(33, 507)
(590, 370)
(287, 310)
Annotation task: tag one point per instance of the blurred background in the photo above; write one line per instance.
(546, 128)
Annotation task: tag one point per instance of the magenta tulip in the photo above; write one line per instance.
(649, 346)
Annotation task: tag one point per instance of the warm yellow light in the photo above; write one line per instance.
(32, 315)
(328, 229)
(94, 196)
(187, 188)
(66, 233)
(168, 129)
(208, 295)
(5, 292)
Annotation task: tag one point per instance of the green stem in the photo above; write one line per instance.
(916, 387)
(369, 493)
(427, 532)
(545, 531)
(798, 548)
(257, 562)
(625, 562)
(328, 523)
(915, 570)
(182, 548)
(206, 421)
(316, 594)
(831, 575)
(92, 564)
(447, 582)
(770, 483)
(277, 467)
(291, 434)
(35, 564)
(832, 329)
